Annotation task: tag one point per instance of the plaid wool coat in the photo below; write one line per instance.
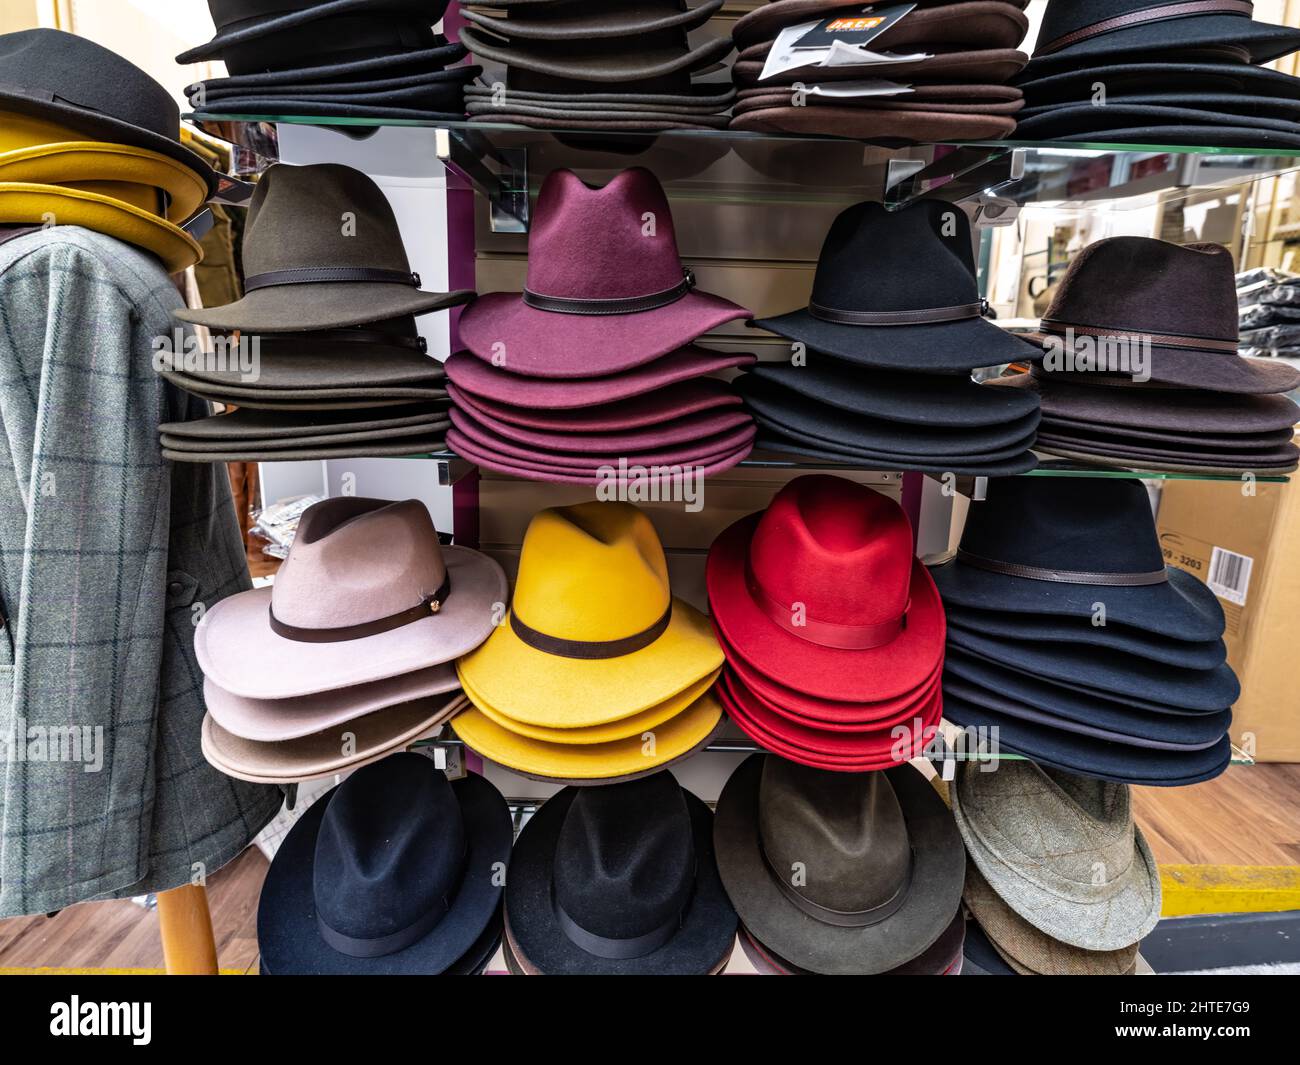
(108, 555)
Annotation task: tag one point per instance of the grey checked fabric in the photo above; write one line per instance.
(106, 551)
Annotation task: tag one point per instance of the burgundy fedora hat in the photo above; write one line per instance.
(823, 593)
(606, 289)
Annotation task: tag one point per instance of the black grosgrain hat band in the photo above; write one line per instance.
(1159, 13)
(1055, 327)
(311, 275)
(1063, 576)
(590, 649)
(924, 316)
(356, 336)
(429, 605)
(843, 918)
(631, 305)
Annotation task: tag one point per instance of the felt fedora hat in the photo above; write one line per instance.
(822, 592)
(777, 440)
(326, 397)
(1179, 301)
(288, 429)
(546, 116)
(332, 751)
(414, 447)
(954, 64)
(412, 437)
(1118, 114)
(707, 97)
(586, 19)
(322, 250)
(619, 881)
(431, 63)
(882, 859)
(594, 633)
(53, 76)
(1061, 850)
(897, 291)
(449, 80)
(1055, 546)
(942, 958)
(1153, 75)
(367, 593)
(397, 870)
(978, 23)
(1079, 32)
(1231, 108)
(874, 124)
(604, 294)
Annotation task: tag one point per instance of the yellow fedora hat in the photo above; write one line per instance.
(635, 756)
(635, 725)
(34, 204)
(594, 634)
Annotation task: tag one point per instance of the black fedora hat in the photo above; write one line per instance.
(772, 438)
(1058, 545)
(397, 870)
(1215, 108)
(897, 291)
(1087, 118)
(1083, 31)
(1127, 436)
(72, 81)
(619, 880)
(581, 19)
(883, 860)
(307, 268)
(1149, 76)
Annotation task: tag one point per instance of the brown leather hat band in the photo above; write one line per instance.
(430, 605)
(630, 305)
(312, 275)
(1151, 14)
(842, 918)
(1053, 327)
(1063, 576)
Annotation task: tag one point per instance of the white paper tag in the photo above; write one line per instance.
(844, 90)
(784, 56)
(1230, 575)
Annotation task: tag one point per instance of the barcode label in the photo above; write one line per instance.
(1230, 575)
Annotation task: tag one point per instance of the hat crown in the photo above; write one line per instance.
(358, 560)
(615, 242)
(592, 572)
(1092, 525)
(391, 849)
(52, 65)
(835, 548)
(625, 857)
(324, 215)
(1144, 285)
(1063, 17)
(915, 259)
(838, 839)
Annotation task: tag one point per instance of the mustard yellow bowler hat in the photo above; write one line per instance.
(594, 634)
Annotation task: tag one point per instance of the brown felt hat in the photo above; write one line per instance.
(584, 19)
(864, 123)
(954, 64)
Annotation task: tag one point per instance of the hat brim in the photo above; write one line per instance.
(640, 64)
(332, 305)
(556, 25)
(1207, 107)
(411, 447)
(979, 958)
(706, 96)
(477, 106)
(874, 124)
(1209, 136)
(275, 110)
(580, 119)
(771, 440)
(550, 345)
(1066, 119)
(424, 61)
(1070, 85)
(414, 438)
(941, 348)
(1276, 455)
(272, 24)
(252, 86)
(870, 675)
(1220, 468)
(938, 871)
(314, 757)
(273, 720)
(708, 926)
(998, 65)
(309, 365)
(287, 935)
(484, 381)
(354, 398)
(1182, 608)
(752, 100)
(290, 427)
(238, 650)
(543, 689)
(1270, 440)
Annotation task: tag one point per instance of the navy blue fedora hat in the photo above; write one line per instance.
(898, 291)
(772, 437)
(619, 880)
(1059, 546)
(397, 870)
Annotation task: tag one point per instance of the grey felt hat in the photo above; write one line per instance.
(306, 398)
(1061, 850)
(379, 449)
(361, 440)
(322, 250)
(291, 427)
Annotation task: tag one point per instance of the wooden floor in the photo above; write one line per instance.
(1245, 817)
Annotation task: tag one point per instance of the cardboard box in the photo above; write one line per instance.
(1246, 547)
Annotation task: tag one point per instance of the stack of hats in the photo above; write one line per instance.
(936, 72)
(884, 351)
(1171, 74)
(598, 674)
(618, 881)
(397, 871)
(596, 64)
(841, 875)
(832, 629)
(1142, 369)
(592, 373)
(87, 139)
(1072, 641)
(324, 353)
(1269, 302)
(338, 58)
(1060, 878)
(347, 658)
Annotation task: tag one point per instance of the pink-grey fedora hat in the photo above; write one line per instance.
(484, 381)
(606, 288)
(367, 593)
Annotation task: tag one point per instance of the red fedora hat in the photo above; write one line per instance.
(606, 289)
(823, 593)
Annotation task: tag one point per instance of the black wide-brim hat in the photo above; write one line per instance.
(705, 97)
(1220, 108)
(286, 915)
(708, 926)
(579, 21)
(426, 63)
(979, 958)
(774, 439)
(1091, 757)
(1171, 75)
(1086, 118)
(934, 895)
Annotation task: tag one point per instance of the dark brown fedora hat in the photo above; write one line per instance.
(322, 250)
(578, 19)
(978, 23)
